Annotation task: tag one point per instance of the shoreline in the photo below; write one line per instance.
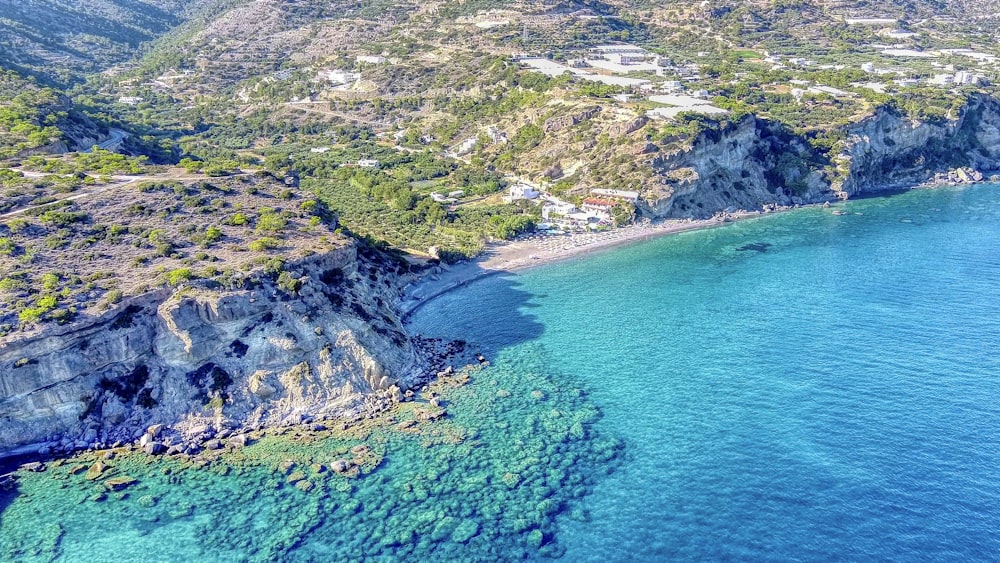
(507, 257)
(541, 250)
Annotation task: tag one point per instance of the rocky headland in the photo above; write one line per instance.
(197, 365)
(758, 165)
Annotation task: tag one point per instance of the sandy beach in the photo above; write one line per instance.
(537, 250)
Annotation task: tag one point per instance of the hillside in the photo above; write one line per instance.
(62, 41)
(450, 103)
(124, 238)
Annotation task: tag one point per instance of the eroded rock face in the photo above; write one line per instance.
(559, 123)
(888, 151)
(754, 164)
(198, 357)
(746, 165)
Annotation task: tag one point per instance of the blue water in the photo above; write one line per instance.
(805, 386)
(802, 386)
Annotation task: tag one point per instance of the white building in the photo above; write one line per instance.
(942, 80)
(552, 209)
(966, 77)
(496, 135)
(830, 91)
(522, 191)
(441, 198)
(130, 100)
(339, 77)
(466, 146)
(368, 163)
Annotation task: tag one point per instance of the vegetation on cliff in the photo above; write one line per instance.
(84, 255)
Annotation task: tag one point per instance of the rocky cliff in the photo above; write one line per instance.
(755, 164)
(744, 165)
(200, 360)
(888, 150)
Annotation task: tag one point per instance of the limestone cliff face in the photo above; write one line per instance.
(754, 164)
(196, 357)
(745, 165)
(888, 151)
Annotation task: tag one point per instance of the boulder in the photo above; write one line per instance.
(90, 436)
(95, 471)
(341, 466)
(154, 448)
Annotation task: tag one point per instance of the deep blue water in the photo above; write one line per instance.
(803, 386)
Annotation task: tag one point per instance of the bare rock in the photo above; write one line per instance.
(341, 466)
(154, 448)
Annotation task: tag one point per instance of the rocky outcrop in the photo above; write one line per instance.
(563, 121)
(754, 164)
(745, 165)
(199, 358)
(888, 151)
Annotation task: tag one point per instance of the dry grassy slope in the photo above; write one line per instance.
(127, 240)
(596, 143)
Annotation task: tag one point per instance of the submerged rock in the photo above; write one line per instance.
(341, 466)
(120, 483)
(95, 471)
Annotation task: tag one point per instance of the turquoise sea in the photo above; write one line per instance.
(803, 386)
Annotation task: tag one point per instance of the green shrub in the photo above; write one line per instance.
(264, 244)
(213, 234)
(238, 220)
(50, 281)
(271, 222)
(62, 218)
(179, 276)
(274, 266)
(289, 283)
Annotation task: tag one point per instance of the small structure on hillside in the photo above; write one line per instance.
(522, 191)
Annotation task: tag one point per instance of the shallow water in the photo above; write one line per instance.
(800, 386)
(486, 483)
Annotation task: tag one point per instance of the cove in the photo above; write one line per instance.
(798, 386)
(801, 386)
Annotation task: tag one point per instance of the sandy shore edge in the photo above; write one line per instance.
(531, 252)
(512, 256)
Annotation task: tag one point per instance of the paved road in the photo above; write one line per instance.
(117, 137)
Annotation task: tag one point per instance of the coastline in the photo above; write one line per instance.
(540, 250)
